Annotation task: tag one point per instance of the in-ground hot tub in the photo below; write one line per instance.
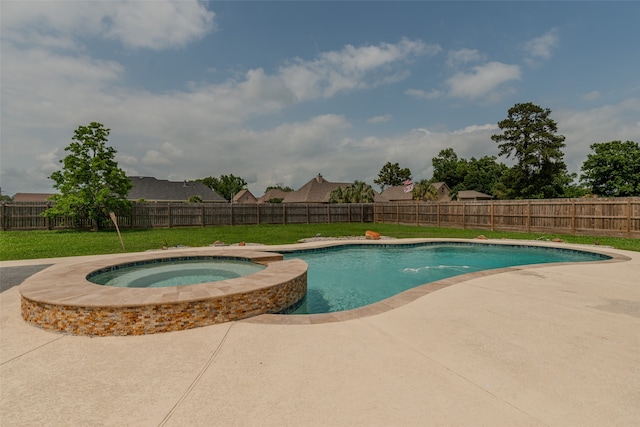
(61, 298)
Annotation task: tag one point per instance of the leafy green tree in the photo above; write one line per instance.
(358, 192)
(613, 169)
(483, 174)
(391, 175)
(279, 186)
(530, 136)
(226, 186)
(449, 168)
(424, 190)
(90, 183)
(195, 199)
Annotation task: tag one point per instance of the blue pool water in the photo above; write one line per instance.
(344, 278)
(173, 272)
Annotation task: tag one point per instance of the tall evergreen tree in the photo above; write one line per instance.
(530, 136)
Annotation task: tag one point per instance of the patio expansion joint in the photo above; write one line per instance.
(198, 376)
(32, 350)
(401, 342)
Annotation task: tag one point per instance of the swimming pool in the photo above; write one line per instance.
(347, 277)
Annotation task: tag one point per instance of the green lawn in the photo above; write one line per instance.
(16, 245)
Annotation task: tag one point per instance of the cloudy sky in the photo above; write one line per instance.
(277, 92)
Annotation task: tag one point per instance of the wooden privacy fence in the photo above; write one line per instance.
(612, 217)
(28, 216)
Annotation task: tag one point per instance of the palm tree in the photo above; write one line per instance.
(424, 190)
(358, 192)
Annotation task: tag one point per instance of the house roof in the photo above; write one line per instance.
(244, 196)
(274, 193)
(31, 197)
(317, 190)
(397, 194)
(473, 195)
(160, 190)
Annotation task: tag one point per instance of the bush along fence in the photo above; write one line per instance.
(611, 217)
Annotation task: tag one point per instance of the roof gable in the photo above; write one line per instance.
(244, 196)
(317, 190)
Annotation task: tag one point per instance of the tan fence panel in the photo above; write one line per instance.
(615, 217)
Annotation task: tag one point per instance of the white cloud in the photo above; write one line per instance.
(542, 47)
(423, 94)
(159, 24)
(352, 68)
(165, 156)
(591, 96)
(137, 24)
(379, 119)
(602, 124)
(48, 162)
(483, 80)
(463, 56)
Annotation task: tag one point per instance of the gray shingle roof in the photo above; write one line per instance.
(160, 190)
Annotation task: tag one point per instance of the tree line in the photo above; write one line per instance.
(91, 185)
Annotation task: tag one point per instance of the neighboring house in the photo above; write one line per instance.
(315, 191)
(397, 193)
(472, 195)
(244, 197)
(273, 194)
(31, 197)
(150, 189)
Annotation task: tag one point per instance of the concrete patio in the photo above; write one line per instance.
(550, 345)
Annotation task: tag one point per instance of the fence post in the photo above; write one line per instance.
(491, 214)
(629, 217)
(397, 212)
(231, 213)
(417, 214)
(573, 217)
(328, 214)
(528, 216)
(169, 213)
(438, 214)
(284, 213)
(464, 217)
